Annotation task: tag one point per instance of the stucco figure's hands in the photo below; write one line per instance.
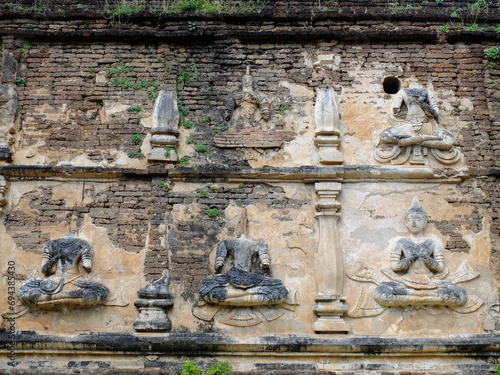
(87, 264)
(49, 266)
(265, 263)
(431, 263)
(218, 266)
(227, 115)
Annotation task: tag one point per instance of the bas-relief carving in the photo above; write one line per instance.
(64, 284)
(154, 300)
(3, 191)
(415, 134)
(245, 294)
(165, 131)
(417, 273)
(248, 117)
(327, 121)
(491, 322)
(330, 301)
(8, 103)
(247, 108)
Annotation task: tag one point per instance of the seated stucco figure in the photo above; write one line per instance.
(247, 108)
(64, 283)
(417, 269)
(243, 284)
(415, 133)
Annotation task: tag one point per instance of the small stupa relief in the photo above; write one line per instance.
(417, 274)
(245, 294)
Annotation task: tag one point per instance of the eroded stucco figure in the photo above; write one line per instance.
(64, 283)
(417, 273)
(415, 133)
(241, 285)
(417, 268)
(246, 292)
(247, 108)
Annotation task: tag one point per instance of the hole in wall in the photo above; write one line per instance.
(391, 85)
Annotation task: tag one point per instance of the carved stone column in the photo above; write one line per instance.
(3, 190)
(165, 128)
(327, 121)
(330, 303)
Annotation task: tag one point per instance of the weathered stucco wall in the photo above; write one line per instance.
(86, 88)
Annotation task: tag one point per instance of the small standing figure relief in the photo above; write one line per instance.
(64, 283)
(415, 133)
(418, 274)
(245, 286)
(246, 109)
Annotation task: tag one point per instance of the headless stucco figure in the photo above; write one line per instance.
(418, 269)
(246, 109)
(243, 284)
(416, 133)
(64, 283)
(245, 295)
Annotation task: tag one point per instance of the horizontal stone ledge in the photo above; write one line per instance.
(213, 344)
(304, 174)
(223, 31)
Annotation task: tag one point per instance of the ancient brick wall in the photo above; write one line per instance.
(86, 85)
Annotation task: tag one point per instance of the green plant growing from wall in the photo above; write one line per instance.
(120, 11)
(212, 212)
(190, 368)
(493, 53)
(168, 151)
(21, 81)
(212, 6)
(36, 7)
(217, 129)
(182, 162)
(134, 109)
(136, 139)
(445, 28)
(201, 148)
(468, 17)
(282, 108)
(25, 47)
(188, 75)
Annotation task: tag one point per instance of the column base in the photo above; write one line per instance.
(331, 325)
